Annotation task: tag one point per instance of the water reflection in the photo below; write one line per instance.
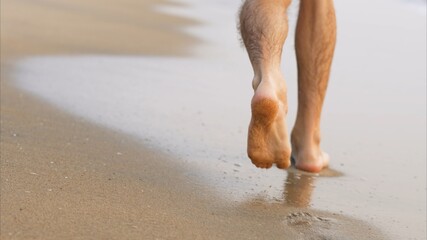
(294, 218)
(298, 189)
(299, 186)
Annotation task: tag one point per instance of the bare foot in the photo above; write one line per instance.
(268, 142)
(307, 155)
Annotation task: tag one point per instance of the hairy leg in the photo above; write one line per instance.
(315, 43)
(264, 28)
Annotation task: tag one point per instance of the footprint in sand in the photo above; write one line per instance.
(311, 225)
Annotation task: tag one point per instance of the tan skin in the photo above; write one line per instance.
(264, 28)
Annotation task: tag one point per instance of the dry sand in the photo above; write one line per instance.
(103, 27)
(65, 178)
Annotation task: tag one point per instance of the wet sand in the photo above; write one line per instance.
(65, 177)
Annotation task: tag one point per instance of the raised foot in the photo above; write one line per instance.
(267, 139)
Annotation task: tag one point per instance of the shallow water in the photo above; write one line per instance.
(197, 109)
(420, 6)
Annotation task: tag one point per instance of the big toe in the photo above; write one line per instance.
(260, 158)
(283, 160)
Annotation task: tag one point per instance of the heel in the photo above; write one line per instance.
(264, 111)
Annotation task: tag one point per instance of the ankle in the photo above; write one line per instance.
(272, 77)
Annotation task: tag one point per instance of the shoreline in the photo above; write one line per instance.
(64, 177)
(63, 169)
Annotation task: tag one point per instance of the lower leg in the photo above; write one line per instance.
(263, 26)
(315, 43)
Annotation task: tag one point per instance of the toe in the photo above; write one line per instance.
(283, 164)
(260, 159)
(262, 165)
(283, 159)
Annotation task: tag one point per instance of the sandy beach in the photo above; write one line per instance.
(63, 178)
(92, 148)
